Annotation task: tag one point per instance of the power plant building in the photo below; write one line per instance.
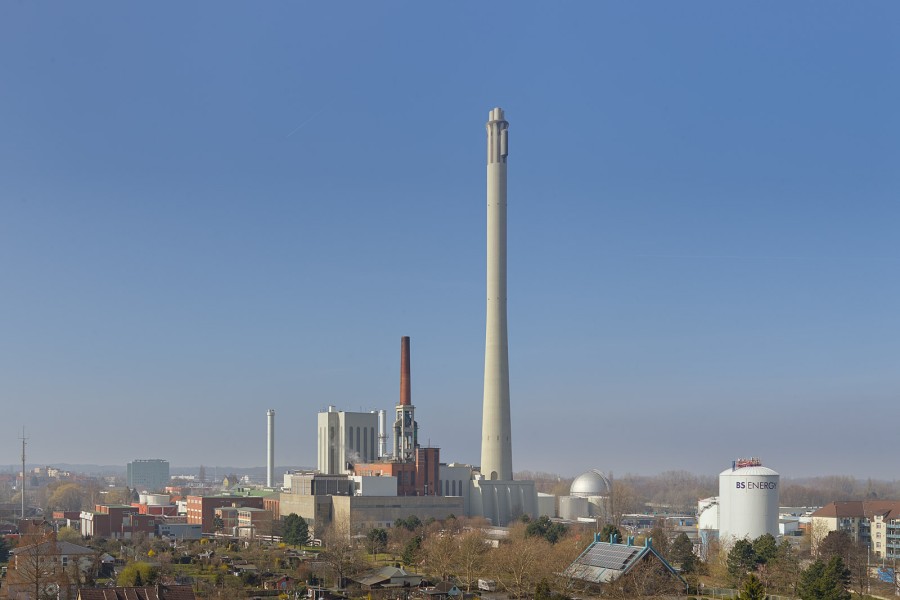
(358, 503)
(747, 504)
(344, 439)
(348, 442)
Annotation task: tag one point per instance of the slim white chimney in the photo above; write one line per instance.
(496, 445)
(270, 445)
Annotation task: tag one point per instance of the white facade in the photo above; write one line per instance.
(502, 502)
(369, 485)
(155, 499)
(345, 438)
(270, 448)
(453, 480)
(748, 503)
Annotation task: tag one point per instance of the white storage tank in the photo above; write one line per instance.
(571, 508)
(748, 501)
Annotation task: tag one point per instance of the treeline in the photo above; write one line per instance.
(678, 491)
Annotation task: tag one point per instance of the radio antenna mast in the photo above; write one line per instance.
(23, 438)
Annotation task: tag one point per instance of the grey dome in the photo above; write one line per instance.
(592, 483)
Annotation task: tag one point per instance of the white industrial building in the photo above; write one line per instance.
(346, 438)
(747, 504)
(371, 485)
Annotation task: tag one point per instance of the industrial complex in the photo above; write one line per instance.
(361, 484)
(370, 472)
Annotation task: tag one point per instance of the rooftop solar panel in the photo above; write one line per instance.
(608, 556)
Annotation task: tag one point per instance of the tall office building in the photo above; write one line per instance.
(148, 475)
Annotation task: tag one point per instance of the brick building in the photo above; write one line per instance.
(414, 478)
(201, 509)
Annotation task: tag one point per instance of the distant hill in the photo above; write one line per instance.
(212, 472)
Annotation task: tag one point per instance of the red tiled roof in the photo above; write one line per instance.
(159, 592)
(855, 509)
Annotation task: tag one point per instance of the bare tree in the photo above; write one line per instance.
(341, 554)
(472, 550)
(440, 551)
(521, 562)
(647, 579)
(817, 532)
(37, 568)
(622, 500)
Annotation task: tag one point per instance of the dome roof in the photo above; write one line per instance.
(592, 483)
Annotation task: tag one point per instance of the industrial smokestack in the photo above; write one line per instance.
(496, 443)
(270, 445)
(406, 437)
(405, 392)
(382, 434)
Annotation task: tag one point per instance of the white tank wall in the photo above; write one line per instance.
(154, 499)
(748, 503)
(708, 513)
(572, 508)
(597, 506)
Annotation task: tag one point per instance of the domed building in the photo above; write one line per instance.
(587, 497)
(592, 483)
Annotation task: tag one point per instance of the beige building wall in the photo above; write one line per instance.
(316, 510)
(358, 514)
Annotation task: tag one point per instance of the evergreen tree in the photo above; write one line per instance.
(376, 540)
(545, 528)
(740, 561)
(609, 530)
(765, 548)
(4, 550)
(784, 569)
(410, 523)
(753, 589)
(411, 550)
(682, 553)
(295, 530)
(825, 581)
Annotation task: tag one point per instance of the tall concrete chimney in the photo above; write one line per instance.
(270, 446)
(496, 442)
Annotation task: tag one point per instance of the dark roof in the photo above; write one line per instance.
(158, 592)
(62, 548)
(855, 509)
(603, 562)
(443, 588)
(388, 575)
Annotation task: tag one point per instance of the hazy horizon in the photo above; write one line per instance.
(216, 209)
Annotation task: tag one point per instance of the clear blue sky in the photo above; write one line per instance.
(212, 209)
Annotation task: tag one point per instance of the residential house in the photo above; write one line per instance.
(157, 592)
(871, 523)
(612, 562)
